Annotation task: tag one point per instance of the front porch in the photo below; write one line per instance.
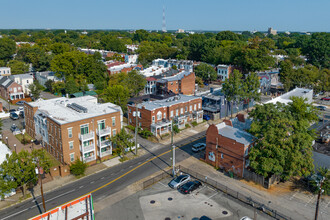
(160, 128)
(16, 96)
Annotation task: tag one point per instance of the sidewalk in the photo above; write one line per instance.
(286, 198)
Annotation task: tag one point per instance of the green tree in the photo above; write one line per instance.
(251, 87)
(35, 90)
(323, 174)
(78, 167)
(7, 48)
(135, 82)
(121, 141)
(18, 170)
(58, 48)
(232, 89)
(49, 85)
(227, 35)
(71, 86)
(317, 50)
(284, 145)
(199, 81)
(18, 67)
(58, 87)
(206, 72)
(118, 95)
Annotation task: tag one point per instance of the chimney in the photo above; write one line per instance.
(241, 117)
(228, 122)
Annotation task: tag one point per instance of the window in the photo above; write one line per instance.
(246, 152)
(181, 111)
(10, 89)
(164, 115)
(159, 115)
(114, 132)
(199, 105)
(171, 114)
(71, 145)
(113, 121)
(177, 112)
(171, 83)
(153, 119)
(27, 81)
(70, 132)
(101, 125)
(221, 155)
(72, 157)
(84, 129)
(186, 109)
(130, 120)
(190, 108)
(195, 107)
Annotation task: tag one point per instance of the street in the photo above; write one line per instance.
(116, 178)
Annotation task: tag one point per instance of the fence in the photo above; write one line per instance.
(155, 179)
(247, 200)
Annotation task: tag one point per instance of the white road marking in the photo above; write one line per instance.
(81, 187)
(102, 178)
(292, 196)
(139, 162)
(310, 200)
(92, 182)
(162, 184)
(130, 166)
(212, 195)
(37, 205)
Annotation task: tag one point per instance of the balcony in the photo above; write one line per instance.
(87, 148)
(103, 143)
(85, 137)
(88, 159)
(105, 131)
(105, 153)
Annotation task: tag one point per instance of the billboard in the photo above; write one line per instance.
(80, 208)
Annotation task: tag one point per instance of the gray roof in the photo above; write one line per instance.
(178, 76)
(241, 125)
(5, 81)
(23, 76)
(152, 105)
(235, 134)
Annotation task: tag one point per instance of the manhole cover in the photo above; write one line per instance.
(152, 201)
(224, 212)
(167, 218)
(170, 198)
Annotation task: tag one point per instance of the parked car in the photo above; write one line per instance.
(316, 95)
(21, 114)
(325, 99)
(198, 147)
(20, 108)
(178, 181)
(206, 117)
(14, 116)
(322, 108)
(189, 187)
(12, 110)
(13, 128)
(246, 218)
(20, 102)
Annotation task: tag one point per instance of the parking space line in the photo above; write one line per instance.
(201, 189)
(212, 195)
(162, 184)
(310, 200)
(293, 195)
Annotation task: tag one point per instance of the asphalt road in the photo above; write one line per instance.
(116, 178)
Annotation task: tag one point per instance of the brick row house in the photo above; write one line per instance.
(74, 128)
(157, 116)
(228, 146)
(10, 90)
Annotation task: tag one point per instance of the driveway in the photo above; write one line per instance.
(47, 95)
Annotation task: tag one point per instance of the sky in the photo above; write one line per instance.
(215, 15)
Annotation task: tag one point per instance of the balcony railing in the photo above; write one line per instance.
(105, 153)
(88, 136)
(88, 159)
(105, 131)
(87, 148)
(104, 143)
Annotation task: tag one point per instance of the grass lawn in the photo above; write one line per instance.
(53, 161)
(26, 137)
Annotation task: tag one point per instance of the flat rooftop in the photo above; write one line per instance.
(152, 105)
(235, 134)
(58, 109)
(297, 92)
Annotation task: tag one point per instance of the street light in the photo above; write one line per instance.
(7, 140)
(9, 104)
(15, 148)
(319, 196)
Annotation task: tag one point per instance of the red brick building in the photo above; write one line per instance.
(181, 83)
(228, 147)
(74, 128)
(157, 116)
(10, 90)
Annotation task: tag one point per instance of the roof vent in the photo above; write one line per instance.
(77, 107)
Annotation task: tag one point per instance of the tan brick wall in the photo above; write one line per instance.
(173, 86)
(187, 85)
(231, 151)
(29, 112)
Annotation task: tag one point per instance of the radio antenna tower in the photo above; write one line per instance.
(164, 21)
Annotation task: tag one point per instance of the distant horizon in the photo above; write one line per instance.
(210, 15)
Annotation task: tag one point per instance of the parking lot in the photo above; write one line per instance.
(161, 202)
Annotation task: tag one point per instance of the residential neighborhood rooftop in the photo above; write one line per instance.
(235, 134)
(297, 92)
(178, 76)
(151, 105)
(62, 110)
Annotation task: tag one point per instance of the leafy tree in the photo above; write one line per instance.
(206, 72)
(227, 35)
(113, 43)
(78, 167)
(232, 88)
(71, 86)
(7, 48)
(18, 170)
(35, 90)
(250, 88)
(140, 35)
(317, 50)
(322, 172)
(118, 95)
(58, 87)
(18, 67)
(49, 85)
(196, 46)
(284, 145)
(122, 140)
(135, 82)
(58, 48)
(199, 81)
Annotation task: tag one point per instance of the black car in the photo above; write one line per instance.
(14, 116)
(321, 107)
(13, 128)
(21, 114)
(20, 102)
(189, 187)
(12, 110)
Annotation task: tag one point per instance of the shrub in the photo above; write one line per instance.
(145, 133)
(130, 127)
(187, 126)
(194, 123)
(176, 129)
(78, 167)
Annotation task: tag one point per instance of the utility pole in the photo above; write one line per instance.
(136, 127)
(39, 177)
(318, 199)
(173, 149)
